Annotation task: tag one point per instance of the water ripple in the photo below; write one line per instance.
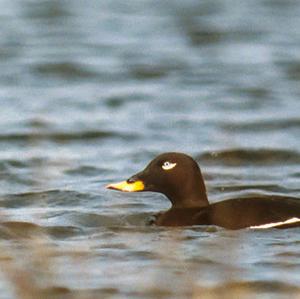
(64, 136)
(242, 156)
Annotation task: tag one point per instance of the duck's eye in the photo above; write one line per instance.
(168, 165)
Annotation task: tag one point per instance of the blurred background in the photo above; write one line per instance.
(90, 91)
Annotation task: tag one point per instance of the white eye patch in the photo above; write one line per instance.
(168, 165)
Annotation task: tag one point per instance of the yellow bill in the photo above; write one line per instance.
(127, 187)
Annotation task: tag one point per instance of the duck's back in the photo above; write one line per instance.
(254, 212)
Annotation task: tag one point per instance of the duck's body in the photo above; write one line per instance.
(179, 177)
(237, 214)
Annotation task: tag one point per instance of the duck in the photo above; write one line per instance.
(179, 178)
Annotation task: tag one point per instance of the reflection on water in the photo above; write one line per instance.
(90, 91)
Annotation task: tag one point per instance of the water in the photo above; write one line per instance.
(90, 91)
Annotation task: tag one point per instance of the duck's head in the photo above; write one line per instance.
(176, 175)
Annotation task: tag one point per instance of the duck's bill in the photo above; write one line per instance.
(127, 187)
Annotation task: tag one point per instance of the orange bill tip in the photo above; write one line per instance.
(127, 187)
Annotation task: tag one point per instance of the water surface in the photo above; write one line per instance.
(90, 91)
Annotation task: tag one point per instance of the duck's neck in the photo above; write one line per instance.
(191, 195)
(190, 202)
